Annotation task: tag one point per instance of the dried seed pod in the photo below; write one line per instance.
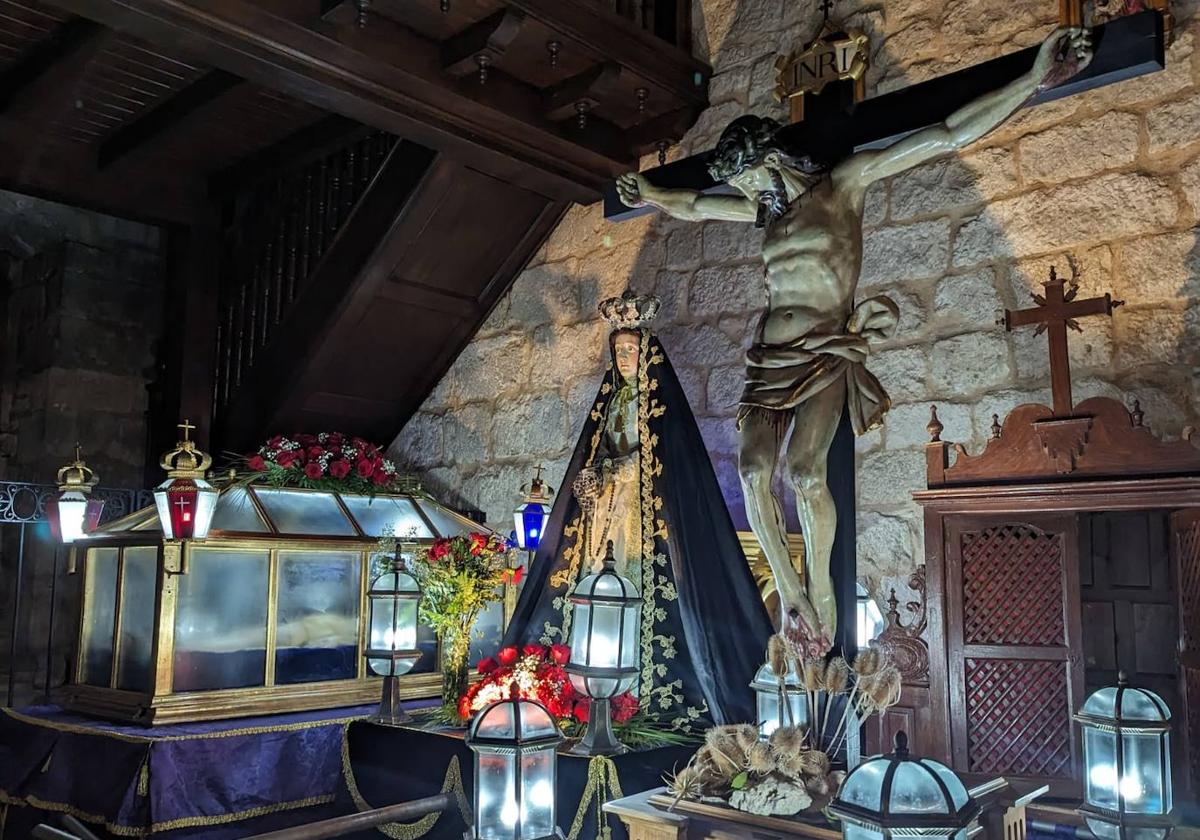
(837, 676)
(686, 784)
(867, 663)
(759, 759)
(746, 735)
(813, 675)
(777, 655)
(814, 763)
(787, 740)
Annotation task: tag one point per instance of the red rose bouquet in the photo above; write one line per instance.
(325, 461)
(538, 673)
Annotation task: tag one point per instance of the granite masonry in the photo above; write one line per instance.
(1108, 180)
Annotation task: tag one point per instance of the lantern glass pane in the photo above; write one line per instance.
(768, 711)
(72, 508)
(1100, 751)
(497, 722)
(958, 791)
(914, 791)
(537, 796)
(536, 721)
(394, 515)
(206, 502)
(604, 650)
(496, 802)
(629, 639)
(99, 615)
(316, 630)
(235, 511)
(864, 786)
(221, 620)
(1109, 831)
(850, 831)
(579, 633)
(446, 523)
(139, 584)
(304, 512)
(1142, 784)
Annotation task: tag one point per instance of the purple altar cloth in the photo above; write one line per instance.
(138, 781)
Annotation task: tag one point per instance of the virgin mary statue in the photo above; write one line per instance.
(641, 477)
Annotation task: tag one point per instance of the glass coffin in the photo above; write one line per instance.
(267, 615)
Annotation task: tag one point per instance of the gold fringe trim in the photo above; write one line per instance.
(408, 831)
(79, 729)
(165, 825)
(603, 785)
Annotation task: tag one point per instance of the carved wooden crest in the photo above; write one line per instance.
(902, 644)
(1103, 439)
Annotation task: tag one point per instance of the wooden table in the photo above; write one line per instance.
(648, 816)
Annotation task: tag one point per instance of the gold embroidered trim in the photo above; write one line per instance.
(30, 801)
(80, 729)
(408, 831)
(603, 785)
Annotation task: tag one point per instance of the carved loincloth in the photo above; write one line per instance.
(780, 377)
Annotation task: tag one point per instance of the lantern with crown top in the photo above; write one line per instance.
(71, 513)
(185, 500)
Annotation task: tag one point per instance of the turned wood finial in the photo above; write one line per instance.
(996, 427)
(1137, 414)
(934, 427)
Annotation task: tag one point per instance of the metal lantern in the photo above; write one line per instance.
(71, 513)
(1127, 758)
(780, 703)
(899, 795)
(531, 515)
(185, 500)
(516, 769)
(604, 650)
(392, 636)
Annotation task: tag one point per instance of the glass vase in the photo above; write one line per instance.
(455, 647)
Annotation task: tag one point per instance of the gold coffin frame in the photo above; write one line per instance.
(160, 704)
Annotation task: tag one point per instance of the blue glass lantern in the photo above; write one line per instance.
(531, 515)
(1127, 759)
(900, 795)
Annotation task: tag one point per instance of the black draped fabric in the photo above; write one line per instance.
(704, 627)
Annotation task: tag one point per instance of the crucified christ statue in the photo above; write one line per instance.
(806, 361)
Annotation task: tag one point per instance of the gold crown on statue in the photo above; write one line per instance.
(630, 310)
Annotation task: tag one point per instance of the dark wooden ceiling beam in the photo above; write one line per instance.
(489, 37)
(380, 76)
(159, 119)
(588, 88)
(43, 83)
(608, 37)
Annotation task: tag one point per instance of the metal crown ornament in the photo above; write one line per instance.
(186, 460)
(77, 476)
(630, 310)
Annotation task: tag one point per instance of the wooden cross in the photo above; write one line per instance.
(1124, 48)
(1055, 311)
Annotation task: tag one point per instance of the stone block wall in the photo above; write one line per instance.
(83, 315)
(1108, 181)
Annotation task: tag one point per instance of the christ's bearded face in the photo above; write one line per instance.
(626, 349)
(753, 181)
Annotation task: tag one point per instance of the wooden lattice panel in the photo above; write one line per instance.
(1018, 717)
(1012, 587)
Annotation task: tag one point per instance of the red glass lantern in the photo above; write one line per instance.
(185, 500)
(71, 514)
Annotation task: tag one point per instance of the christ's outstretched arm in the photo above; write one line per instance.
(689, 205)
(968, 123)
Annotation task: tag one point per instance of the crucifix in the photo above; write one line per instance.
(836, 126)
(805, 376)
(1057, 310)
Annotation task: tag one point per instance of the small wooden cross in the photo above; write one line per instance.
(1055, 311)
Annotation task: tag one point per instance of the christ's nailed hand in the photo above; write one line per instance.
(629, 189)
(1067, 43)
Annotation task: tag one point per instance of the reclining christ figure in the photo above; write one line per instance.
(806, 360)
